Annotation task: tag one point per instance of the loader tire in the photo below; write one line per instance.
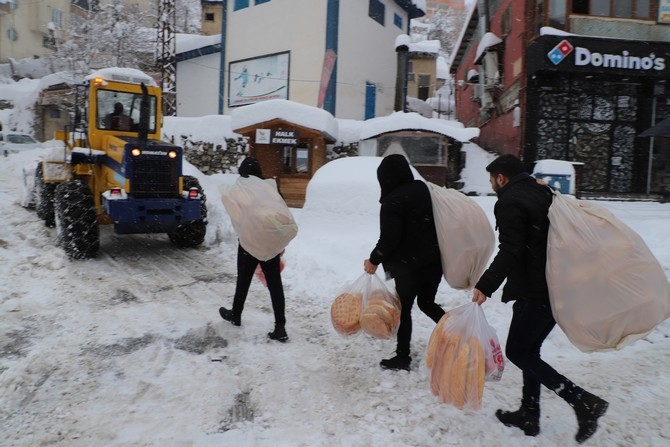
(78, 231)
(44, 198)
(191, 234)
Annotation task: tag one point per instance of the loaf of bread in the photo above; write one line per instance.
(380, 318)
(457, 367)
(345, 313)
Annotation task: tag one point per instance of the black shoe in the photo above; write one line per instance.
(228, 315)
(397, 363)
(526, 420)
(279, 334)
(588, 409)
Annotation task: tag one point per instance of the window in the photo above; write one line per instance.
(126, 116)
(626, 9)
(57, 18)
(209, 17)
(424, 87)
(260, 2)
(397, 20)
(296, 159)
(240, 4)
(376, 11)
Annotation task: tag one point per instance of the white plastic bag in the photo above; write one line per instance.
(262, 220)
(366, 304)
(463, 352)
(464, 234)
(606, 288)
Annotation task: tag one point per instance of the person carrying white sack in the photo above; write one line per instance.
(246, 267)
(522, 220)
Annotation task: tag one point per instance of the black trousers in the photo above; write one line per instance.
(531, 324)
(246, 267)
(421, 285)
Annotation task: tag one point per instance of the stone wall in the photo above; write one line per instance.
(212, 158)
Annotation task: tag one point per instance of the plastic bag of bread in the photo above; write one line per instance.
(465, 256)
(345, 311)
(606, 288)
(260, 217)
(380, 316)
(463, 353)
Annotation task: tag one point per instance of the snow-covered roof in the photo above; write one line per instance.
(189, 42)
(549, 31)
(425, 46)
(398, 121)
(62, 77)
(293, 112)
(348, 130)
(487, 41)
(123, 75)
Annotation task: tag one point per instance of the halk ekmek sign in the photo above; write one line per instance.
(622, 60)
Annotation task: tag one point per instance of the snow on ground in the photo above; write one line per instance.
(128, 349)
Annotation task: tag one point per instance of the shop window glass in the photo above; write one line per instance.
(600, 7)
(623, 8)
(580, 6)
(557, 14)
(301, 160)
(642, 9)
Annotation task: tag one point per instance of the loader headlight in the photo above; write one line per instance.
(135, 152)
(172, 154)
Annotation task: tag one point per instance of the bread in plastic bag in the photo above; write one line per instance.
(606, 288)
(463, 353)
(260, 217)
(464, 234)
(366, 304)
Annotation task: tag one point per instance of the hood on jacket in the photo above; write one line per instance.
(250, 166)
(392, 172)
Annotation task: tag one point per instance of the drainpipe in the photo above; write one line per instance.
(402, 49)
(651, 145)
(222, 54)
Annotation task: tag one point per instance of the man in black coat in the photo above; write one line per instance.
(522, 221)
(407, 248)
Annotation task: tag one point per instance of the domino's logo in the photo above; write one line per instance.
(560, 52)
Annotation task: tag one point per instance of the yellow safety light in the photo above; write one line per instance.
(135, 152)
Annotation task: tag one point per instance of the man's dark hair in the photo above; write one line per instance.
(507, 165)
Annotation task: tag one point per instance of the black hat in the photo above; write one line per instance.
(250, 166)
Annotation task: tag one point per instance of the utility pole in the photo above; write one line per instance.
(167, 19)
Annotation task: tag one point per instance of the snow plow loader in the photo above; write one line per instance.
(114, 169)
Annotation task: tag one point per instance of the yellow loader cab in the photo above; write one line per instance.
(114, 169)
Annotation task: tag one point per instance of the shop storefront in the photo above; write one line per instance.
(587, 101)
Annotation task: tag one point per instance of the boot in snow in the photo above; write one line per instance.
(279, 334)
(400, 361)
(228, 315)
(588, 409)
(526, 419)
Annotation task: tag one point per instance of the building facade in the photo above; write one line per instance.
(338, 55)
(575, 81)
(33, 29)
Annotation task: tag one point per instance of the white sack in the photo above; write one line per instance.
(464, 234)
(606, 288)
(262, 220)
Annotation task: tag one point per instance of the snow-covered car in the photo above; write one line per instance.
(16, 142)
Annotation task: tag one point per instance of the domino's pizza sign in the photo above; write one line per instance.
(560, 52)
(621, 59)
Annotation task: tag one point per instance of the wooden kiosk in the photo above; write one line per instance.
(289, 140)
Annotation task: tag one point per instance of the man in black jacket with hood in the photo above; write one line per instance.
(246, 266)
(522, 221)
(407, 248)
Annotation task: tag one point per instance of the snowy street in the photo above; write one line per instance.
(128, 349)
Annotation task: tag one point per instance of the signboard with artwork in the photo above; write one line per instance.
(258, 79)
